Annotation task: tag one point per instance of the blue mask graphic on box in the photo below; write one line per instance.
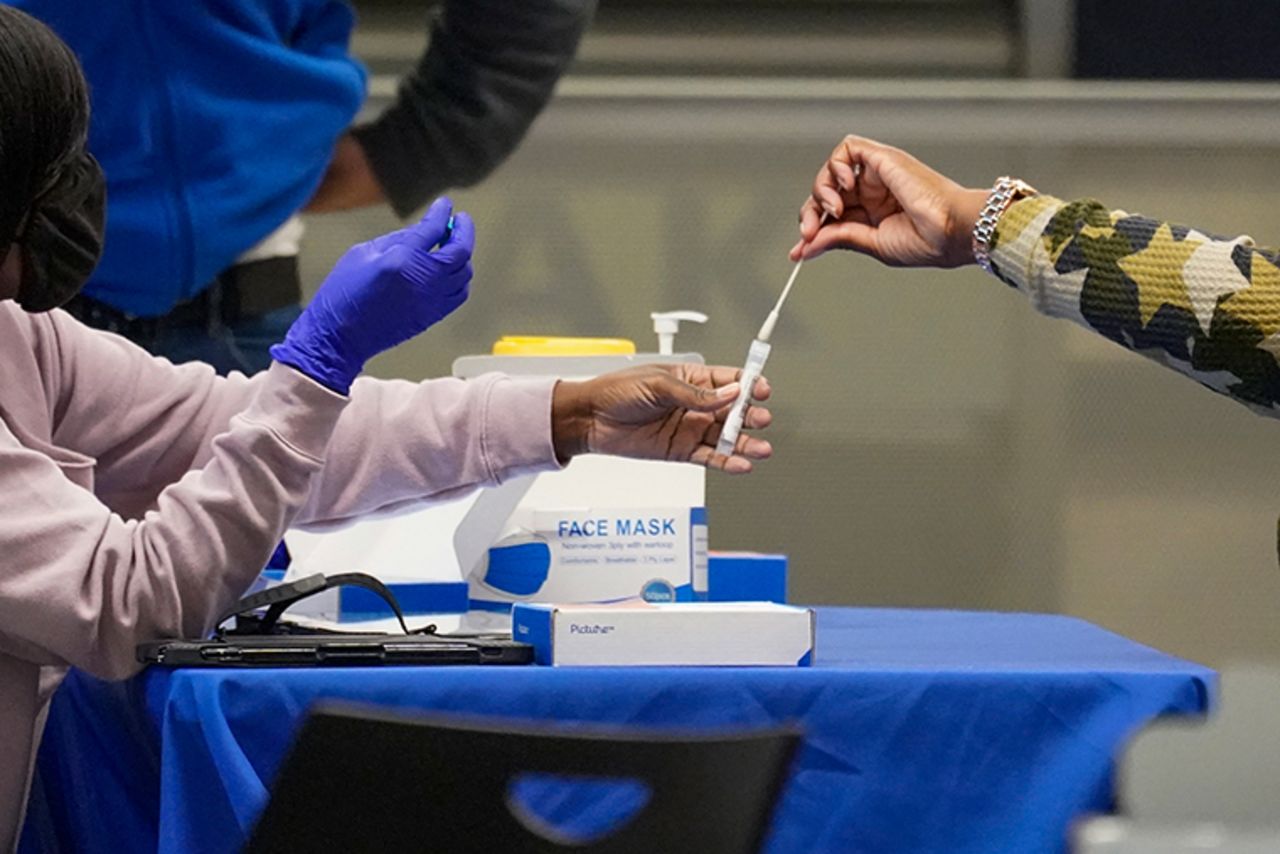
(519, 569)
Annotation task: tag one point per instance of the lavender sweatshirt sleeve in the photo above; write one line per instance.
(402, 443)
(197, 477)
(83, 585)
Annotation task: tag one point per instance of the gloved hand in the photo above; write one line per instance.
(379, 294)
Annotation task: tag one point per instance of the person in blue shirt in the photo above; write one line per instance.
(216, 121)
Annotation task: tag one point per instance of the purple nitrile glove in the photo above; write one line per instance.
(379, 294)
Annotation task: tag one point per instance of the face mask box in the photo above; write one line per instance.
(761, 634)
(604, 529)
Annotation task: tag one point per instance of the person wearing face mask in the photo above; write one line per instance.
(51, 211)
(138, 498)
(218, 121)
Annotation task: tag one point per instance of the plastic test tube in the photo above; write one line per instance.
(756, 357)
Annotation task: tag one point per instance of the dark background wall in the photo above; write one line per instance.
(1178, 39)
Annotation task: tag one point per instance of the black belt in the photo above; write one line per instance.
(239, 292)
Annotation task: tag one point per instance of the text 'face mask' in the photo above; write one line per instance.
(62, 241)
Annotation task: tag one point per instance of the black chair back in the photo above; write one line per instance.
(362, 780)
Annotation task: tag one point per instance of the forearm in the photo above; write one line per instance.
(1204, 305)
(147, 423)
(401, 442)
(491, 67)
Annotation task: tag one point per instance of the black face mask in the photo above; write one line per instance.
(62, 241)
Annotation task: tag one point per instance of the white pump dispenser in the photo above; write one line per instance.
(667, 323)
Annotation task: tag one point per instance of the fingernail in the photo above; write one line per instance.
(727, 392)
(829, 208)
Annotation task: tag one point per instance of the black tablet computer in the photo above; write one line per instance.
(333, 650)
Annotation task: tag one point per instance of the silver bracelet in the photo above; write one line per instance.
(1006, 191)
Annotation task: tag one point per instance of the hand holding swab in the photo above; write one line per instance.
(757, 355)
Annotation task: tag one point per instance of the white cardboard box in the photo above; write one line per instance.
(686, 633)
(603, 529)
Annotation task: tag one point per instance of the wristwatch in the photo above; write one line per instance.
(1006, 191)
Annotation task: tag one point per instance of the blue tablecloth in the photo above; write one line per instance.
(924, 731)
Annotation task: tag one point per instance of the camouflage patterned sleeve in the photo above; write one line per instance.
(1206, 306)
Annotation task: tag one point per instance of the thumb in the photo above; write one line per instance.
(432, 228)
(857, 236)
(456, 250)
(424, 265)
(680, 393)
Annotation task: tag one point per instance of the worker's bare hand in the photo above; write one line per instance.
(885, 203)
(659, 412)
(349, 181)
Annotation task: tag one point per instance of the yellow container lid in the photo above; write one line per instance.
(544, 345)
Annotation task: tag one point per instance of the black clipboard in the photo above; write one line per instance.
(333, 650)
(264, 640)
